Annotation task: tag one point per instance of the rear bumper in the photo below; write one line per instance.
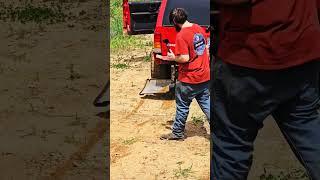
(157, 86)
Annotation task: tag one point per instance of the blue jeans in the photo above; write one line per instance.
(244, 97)
(185, 93)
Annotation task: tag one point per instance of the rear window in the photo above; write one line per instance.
(198, 11)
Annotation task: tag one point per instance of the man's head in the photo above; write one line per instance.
(177, 17)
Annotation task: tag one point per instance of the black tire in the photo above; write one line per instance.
(160, 71)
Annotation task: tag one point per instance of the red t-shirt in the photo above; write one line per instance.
(192, 41)
(270, 34)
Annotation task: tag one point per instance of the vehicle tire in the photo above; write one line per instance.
(160, 71)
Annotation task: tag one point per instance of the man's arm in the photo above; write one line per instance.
(231, 2)
(171, 57)
(182, 59)
(181, 50)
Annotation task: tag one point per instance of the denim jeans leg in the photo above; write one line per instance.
(239, 108)
(183, 101)
(299, 122)
(244, 98)
(203, 99)
(232, 143)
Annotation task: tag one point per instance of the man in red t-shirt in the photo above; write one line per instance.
(269, 51)
(191, 54)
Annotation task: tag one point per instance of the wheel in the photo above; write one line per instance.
(160, 71)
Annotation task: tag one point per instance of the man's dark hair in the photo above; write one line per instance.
(178, 15)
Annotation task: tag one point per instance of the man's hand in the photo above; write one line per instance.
(171, 56)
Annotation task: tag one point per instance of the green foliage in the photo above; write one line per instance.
(32, 13)
(120, 66)
(197, 120)
(147, 58)
(183, 172)
(130, 141)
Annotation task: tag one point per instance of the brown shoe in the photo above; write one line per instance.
(171, 136)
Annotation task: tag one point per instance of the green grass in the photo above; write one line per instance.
(120, 41)
(293, 175)
(130, 141)
(29, 12)
(147, 58)
(183, 172)
(120, 66)
(72, 140)
(197, 120)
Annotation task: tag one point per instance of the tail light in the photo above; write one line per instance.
(157, 43)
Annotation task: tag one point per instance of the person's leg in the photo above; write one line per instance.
(240, 104)
(299, 121)
(184, 96)
(203, 99)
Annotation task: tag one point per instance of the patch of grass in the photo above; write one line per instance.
(34, 132)
(147, 58)
(29, 12)
(78, 122)
(149, 43)
(120, 66)
(130, 141)
(72, 140)
(293, 175)
(200, 154)
(183, 172)
(45, 133)
(197, 120)
(73, 75)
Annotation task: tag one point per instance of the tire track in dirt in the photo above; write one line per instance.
(94, 137)
(122, 151)
(135, 110)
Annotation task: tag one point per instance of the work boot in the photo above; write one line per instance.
(171, 136)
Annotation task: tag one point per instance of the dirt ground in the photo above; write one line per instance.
(50, 75)
(273, 156)
(137, 122)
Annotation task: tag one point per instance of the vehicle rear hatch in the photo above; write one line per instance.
(140, 17)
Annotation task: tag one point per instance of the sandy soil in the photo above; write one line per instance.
(273, 156)
(50, 75)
